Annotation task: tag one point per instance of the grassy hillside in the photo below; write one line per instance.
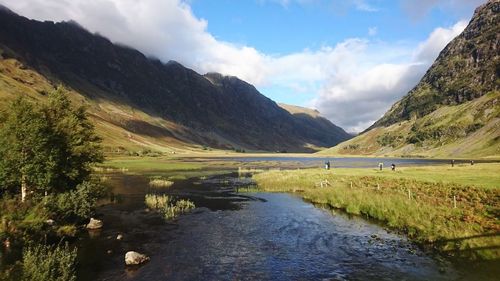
(316, 124)
(471, 130)
(123, 129)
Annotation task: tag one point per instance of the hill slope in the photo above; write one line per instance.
(454, 111)
(147, 103)
(317, 125)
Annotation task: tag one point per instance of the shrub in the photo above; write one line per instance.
(55, 263)
(75, 205)
(20, 219)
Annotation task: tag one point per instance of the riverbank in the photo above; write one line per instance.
(454, 210)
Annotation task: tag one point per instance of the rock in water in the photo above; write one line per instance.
(94, 224)
(135, 258)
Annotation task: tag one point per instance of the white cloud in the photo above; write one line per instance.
(363, 5)
(372, 31)
(358, 97)
(354, 82)
(428, 50)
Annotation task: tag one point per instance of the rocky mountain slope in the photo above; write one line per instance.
(454, 110)
(146, 102)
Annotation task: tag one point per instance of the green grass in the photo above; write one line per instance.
(467, 130)
(141, 164)
(169, 207)
(481, 175)
(417, 201)
(158, 182)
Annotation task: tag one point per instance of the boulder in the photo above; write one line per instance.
(135, 258)
(94, 224)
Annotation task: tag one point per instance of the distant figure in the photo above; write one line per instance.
(471, 162)
(327, 165)
(393, 167)
(452, 163)
(380, 166)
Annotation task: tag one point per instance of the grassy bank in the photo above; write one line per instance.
(455, 210)
(141, 164)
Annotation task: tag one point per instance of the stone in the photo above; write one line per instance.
(94, 224)
(119, 237)
(135, 258)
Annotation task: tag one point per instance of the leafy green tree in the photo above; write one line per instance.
(46, 148)
(74, 139)
(24, 148)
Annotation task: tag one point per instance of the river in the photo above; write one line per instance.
(249, 236)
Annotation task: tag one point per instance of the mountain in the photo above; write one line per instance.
(140, 102)
(317, 125)
(454, 111)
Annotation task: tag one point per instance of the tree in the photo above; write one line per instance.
(46, 148)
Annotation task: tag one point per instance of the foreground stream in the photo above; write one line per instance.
(248, 236)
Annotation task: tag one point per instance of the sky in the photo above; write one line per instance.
(350, 59)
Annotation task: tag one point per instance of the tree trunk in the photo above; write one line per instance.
(24, 188)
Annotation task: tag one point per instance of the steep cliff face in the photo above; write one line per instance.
(455, 109)
(211, 110)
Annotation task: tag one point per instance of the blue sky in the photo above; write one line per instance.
(284, 27)
(276, 28)
(350, 59)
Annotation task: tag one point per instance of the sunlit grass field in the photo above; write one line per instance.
(455, 209)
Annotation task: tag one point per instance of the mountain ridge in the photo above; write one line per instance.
(200, 110)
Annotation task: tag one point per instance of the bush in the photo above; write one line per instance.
(20, 219)
(75, 205)
(55, 263)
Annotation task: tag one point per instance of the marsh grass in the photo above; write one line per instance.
(244, 170)
(424, 210)
(169, 207)
(158, 182)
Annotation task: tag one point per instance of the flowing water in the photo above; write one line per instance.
(249, 236)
